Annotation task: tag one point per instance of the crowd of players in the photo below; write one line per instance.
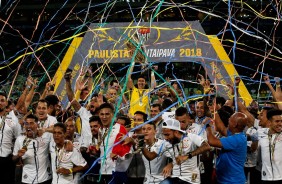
(150, 135)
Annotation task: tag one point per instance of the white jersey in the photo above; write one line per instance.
(77, 144)
(13, 115)
(36, 164)
(86, 135)
(16, 119)
(271, 149)
(251, 159)
(108, 166)
(77, 141)
(50, 121)
(155, 167)
(60, 158)
(199, 129)
(9, 130)
(188, 171)
(195, 128)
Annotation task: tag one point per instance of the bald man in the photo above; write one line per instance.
(232, 156)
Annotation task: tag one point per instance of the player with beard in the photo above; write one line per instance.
(183, 150)
(64, 163)
(54, 105)
(32, 150)
(9, 130)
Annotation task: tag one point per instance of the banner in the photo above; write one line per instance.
(165, 42)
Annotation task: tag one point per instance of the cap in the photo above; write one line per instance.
(172, 124)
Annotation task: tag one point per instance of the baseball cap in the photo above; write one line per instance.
(172, 124)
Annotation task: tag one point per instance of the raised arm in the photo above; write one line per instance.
(21, 104)
(31, 93)
(89, 75)
(212, 140)
(70, 94)
(205, 83)
(267, 82)
(46, 90)
(79, 86)
(84, 81)
(130, 82)
(153, 78)
(251, 119)
(277, 94)
(241, 107)
(219, 125)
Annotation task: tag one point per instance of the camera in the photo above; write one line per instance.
(141, 140)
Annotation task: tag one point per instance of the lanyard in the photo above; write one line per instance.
(181, 145)
(41, 123)
(101, 138)
(179, 154)
(2, 126)
(26, 142)
(272, 148)
(59, 155)
(141, 96)
(149, 148)
(272, 145)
